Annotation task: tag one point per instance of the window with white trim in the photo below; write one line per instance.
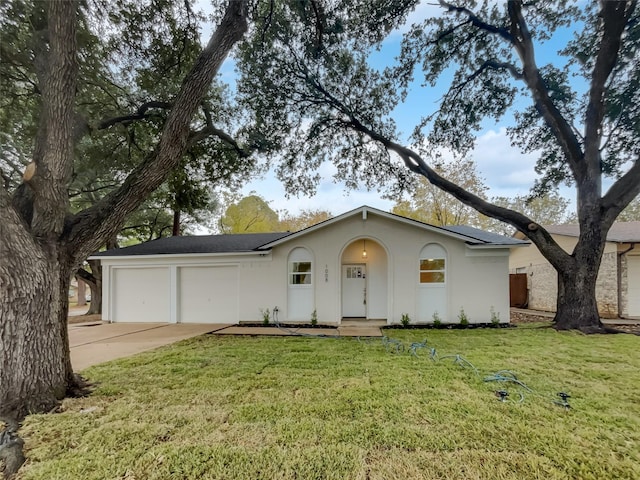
(432, 270)
(432, 264)
(300, 267)
(300, 273)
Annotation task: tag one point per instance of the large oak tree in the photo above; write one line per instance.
(42, 241)
(322, 101)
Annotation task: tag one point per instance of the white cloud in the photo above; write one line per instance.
(506, 170)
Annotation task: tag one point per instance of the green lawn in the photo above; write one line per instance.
(304, 408)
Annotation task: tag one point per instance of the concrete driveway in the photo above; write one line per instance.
(93, 343)
(97, 342)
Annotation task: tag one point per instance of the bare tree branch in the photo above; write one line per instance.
(140, 114)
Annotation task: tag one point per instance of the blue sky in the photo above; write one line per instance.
(506, 171)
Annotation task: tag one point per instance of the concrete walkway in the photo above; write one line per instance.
(348, 331)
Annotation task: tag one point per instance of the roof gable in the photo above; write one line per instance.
(260, 242)
(471, 236)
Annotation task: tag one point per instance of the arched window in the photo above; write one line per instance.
(300, 267)
(433, 264)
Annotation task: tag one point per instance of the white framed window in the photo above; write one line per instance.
(300, 267)
(300, 273)
(432, 270)
(433, 265)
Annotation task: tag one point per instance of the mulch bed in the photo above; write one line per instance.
(516, 319)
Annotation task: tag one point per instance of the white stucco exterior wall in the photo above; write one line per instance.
(476, 279)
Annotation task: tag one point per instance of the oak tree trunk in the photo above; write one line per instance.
(43, 244)
(82, 292)
(577, 306)
(95, 305)
(35, 283)
(94, 280)
(175, 231)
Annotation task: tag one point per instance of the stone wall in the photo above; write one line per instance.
(542, 282)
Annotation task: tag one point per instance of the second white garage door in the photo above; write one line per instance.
(208, 294)
(633, 285)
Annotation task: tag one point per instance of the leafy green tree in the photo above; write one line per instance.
(550, 209)
(42, 238)
(632, 212)
(432, 205)
(321, 101)
(251, 214)
(305, 218)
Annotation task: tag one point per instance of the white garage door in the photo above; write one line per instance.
(208, 294)
(633, 282)
(141, 294)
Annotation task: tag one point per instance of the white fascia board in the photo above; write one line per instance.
(488, 246)
(261, 253)
(486, 252)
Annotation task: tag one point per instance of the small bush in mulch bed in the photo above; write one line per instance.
(449, 326)
(288, 325)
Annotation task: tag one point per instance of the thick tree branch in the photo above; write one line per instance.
(140, 114)
(208, 131)
(53, 169)
(561, 129)
(477, 21)
(414, 162)
(87, 277)
(91, 227)
(614, 15)
(621, 193)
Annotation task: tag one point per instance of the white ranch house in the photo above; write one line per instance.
(365, 264)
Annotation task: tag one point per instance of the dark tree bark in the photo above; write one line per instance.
(176, 223)
(35, 366)
(82, 292)
(94, 280)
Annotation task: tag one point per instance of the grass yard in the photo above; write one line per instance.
(290, 407)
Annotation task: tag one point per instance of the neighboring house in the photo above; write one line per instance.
(365, 264)
(618, 286)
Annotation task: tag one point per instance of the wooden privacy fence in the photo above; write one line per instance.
(518, 295)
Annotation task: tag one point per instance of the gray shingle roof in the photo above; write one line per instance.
(620, 232)
(237, 243)
(197, 244)
(482, 237)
